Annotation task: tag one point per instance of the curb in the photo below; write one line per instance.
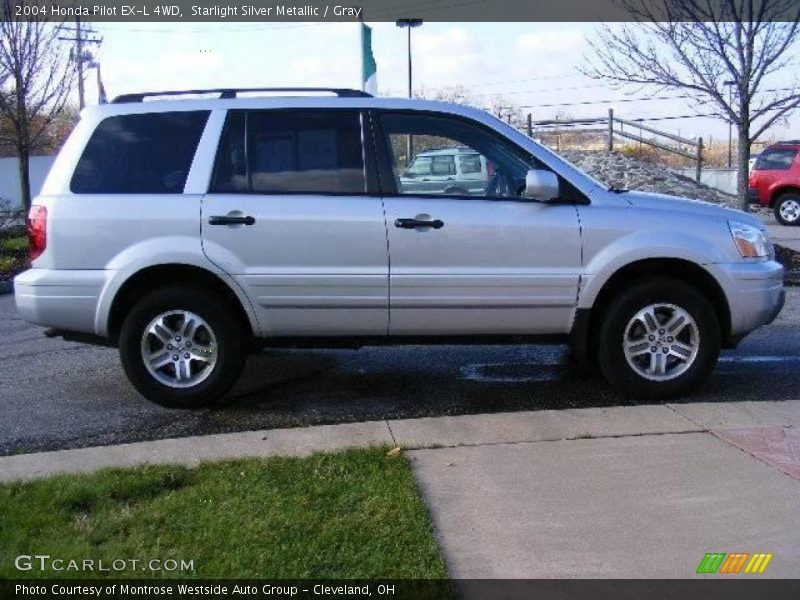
(425, 432)
(6, 287)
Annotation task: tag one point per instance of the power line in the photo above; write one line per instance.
(80, 36)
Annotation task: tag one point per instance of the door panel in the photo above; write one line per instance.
(494, 267)
(296, 226)
(491, 262)
(311, 265)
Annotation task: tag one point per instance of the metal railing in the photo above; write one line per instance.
(614, 127)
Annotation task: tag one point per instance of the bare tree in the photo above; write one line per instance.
(36, 76)
(724, 55)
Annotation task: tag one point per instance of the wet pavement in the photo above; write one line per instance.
(58, 394)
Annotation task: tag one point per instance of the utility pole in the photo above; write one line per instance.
(409, 24)
(81, 37)
(730, 85)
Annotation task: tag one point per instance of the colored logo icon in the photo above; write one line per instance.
(735, 562)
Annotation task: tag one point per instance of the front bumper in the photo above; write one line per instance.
(754, 291)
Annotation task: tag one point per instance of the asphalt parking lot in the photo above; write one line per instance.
(57, 394)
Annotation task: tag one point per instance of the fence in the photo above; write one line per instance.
(9, 177)
(614, 127)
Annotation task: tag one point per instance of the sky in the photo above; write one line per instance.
(530, 64)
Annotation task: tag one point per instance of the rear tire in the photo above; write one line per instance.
(182, 347)
(787, 209)
(659, 339)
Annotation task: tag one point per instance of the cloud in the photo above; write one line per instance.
(454, 56)
(549, 43)
(548, 53)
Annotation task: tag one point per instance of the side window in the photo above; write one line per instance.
(422, 165)
(230, 173)
(470, 163)
(444, 165)
(273, 152)
(490, 166)
(776, 159)
(139, 154)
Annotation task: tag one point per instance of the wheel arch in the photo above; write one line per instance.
(585, 330)
(155, 276)
(780, 191)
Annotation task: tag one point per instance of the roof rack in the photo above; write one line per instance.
(787, 142)
(228, 93)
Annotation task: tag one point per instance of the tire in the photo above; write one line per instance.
(787, 209)
(638, 371)
(214, 344)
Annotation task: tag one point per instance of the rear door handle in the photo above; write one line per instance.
(231, 220)
(414, 223)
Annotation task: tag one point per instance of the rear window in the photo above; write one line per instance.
(776, 159)
(140, 154)
(288, 151)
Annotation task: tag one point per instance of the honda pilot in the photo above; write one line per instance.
(186, 229)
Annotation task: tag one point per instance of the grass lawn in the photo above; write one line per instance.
(353, 514)
(18, 243)
(13, 255)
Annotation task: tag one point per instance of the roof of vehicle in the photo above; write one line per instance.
(298, 98)
(447, 151)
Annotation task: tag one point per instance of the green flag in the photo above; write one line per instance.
(369, 70)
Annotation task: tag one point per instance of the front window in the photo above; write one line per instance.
(423, 151)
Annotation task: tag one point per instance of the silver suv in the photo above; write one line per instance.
(185, 230)
(457, 171)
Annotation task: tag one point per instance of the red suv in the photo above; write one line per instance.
(775, 181)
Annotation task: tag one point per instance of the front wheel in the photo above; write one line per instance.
(787, 209)
(182, 348)
(659, 339)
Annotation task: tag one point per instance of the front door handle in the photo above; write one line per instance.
(414, 223)
(231, 220)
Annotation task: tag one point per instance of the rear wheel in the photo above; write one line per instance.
(787, 209)
(659, 339)
(182, 347)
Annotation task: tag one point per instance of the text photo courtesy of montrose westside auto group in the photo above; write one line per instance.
(437, 300)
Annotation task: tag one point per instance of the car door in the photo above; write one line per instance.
(488, 263)
(289, 214)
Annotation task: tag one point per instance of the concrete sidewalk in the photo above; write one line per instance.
(731, 420)
(647, 505)
(500, 428)
(622, 492)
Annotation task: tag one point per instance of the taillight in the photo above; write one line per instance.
(37, 231)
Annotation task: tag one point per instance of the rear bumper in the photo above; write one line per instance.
(62, 299)
(755, 294)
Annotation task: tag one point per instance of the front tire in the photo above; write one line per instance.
(787, 209)
(182, 347)
(659, 339)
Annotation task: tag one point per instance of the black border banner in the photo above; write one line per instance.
(173, 11)
(711, 588)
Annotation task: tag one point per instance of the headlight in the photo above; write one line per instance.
(751, 241)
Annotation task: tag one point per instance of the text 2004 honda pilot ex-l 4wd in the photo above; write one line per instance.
(183, 230)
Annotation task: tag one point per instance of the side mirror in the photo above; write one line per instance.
(541, 185)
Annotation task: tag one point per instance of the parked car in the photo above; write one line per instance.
(751, 162)
(188, 231)
(454, 171)
(775, 181)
